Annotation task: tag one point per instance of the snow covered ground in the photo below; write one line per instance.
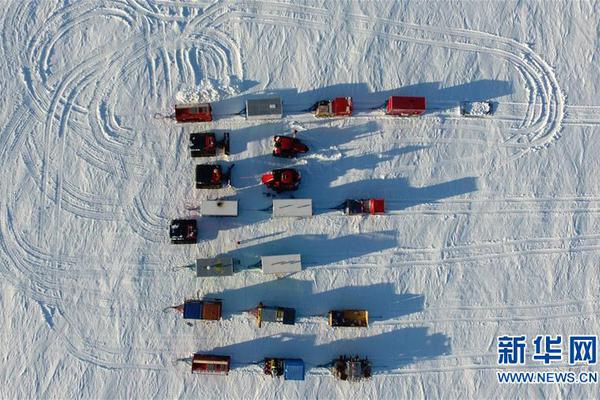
(492, 224)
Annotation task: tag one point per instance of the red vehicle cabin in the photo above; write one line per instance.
(405, 106)
(209, 364)
(342, 106)
(200, 112)
(338, 107)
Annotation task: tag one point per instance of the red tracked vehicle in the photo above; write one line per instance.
(282, 180)
(288, 146)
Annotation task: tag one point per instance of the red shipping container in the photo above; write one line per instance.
(405, 106)
(376, 206)
(201, 112)
(342, 106)
(209, 364)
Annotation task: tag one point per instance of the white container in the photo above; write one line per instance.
(269, 108)
(219, 208)
(281, 265)
(292, 208)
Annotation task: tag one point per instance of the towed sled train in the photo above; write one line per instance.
(280, 265)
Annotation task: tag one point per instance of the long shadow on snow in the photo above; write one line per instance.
(379, 299)
(438, 97)
(319, 249)
(397, 192)
(387, 351)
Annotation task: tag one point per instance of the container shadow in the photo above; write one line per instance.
(323, 250)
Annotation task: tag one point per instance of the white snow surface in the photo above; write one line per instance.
(491, 225)
(477, 108)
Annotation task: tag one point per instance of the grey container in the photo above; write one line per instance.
(218, 266)
(269, 108)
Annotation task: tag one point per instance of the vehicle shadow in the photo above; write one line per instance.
(381, 299)
(387, 351)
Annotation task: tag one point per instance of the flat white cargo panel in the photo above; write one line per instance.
(219, 208)
(292, 208)
(218, 266)
(281, 264)
(269, 108)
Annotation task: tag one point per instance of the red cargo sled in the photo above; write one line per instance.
(405, 106)
(282, 180)
(364, 206)
(198, 112)
(338, 107)
(209, 364)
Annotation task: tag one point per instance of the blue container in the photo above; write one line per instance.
(192, 309)
(293, 370)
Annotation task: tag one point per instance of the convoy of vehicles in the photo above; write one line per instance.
(213, 176)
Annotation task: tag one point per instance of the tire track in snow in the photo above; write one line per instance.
(444, 256)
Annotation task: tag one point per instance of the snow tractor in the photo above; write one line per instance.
(197, 112)
(405, 106)
(209, 176)
(351, 369)
(210, 364)
(288, 146)
(286, 316)
(209, 310)
(349, 318)
(183, 231)
(292, 369)
(205, 144)
(338, 107)
(282, 180)
(363, 206)
(476, 108)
